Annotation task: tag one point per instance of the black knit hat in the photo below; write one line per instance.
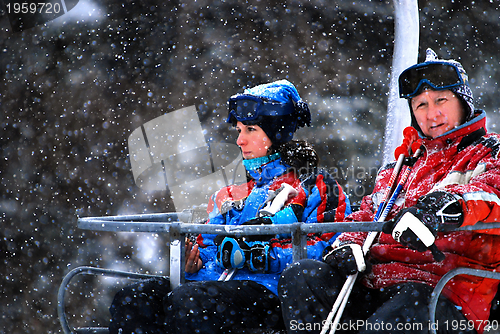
(462, 91)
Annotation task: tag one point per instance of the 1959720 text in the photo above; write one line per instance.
(33, 7)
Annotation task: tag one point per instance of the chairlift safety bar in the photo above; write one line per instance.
(176, 225)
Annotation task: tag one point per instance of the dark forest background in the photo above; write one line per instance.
(72, 91)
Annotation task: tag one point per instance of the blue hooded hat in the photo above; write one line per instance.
(276, 107)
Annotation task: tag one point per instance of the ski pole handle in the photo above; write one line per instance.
(399, 187)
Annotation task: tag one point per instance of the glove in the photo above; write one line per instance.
(347, 257)
(237, 253)
(416, 227)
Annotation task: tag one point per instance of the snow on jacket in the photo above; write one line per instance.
(465, 162)
(319, 199)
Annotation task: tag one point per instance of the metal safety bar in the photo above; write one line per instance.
(445, 279)
(61, 312)
(179, 224)
(176, 226)
(178, 231)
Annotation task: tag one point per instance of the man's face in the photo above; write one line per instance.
(437, 112)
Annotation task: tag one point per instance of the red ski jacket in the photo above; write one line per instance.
(465, 162)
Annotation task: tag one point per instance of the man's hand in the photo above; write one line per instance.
(193, 261)
(416, 227)
(347, 257)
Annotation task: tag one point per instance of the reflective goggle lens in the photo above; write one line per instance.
(439, 76)
(244, 110)
(248, 108)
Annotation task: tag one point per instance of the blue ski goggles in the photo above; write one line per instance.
(249, 108)
(437, 75)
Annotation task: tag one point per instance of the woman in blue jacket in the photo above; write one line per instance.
(266, 118)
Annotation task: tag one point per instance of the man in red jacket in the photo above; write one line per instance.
(454, 182)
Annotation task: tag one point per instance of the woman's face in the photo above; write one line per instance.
(252, 140)
(437, 112)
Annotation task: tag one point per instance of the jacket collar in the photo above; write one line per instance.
(465, 133)
(268, 171)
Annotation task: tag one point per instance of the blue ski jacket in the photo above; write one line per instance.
(319, 199)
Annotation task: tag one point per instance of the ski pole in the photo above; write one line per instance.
(400, 153)
(227, 274)
(389, 187)
(342, 298)
(372, 235)
(369, 241)
(351, 278)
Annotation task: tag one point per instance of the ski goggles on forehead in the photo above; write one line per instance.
(247, 108)
(437, 75)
